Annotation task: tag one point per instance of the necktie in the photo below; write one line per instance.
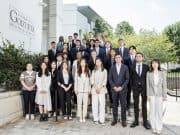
(139, 71)
(122, 51)
(132, 59)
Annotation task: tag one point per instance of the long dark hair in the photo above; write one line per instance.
(40, 73)
(79, 71)
(156, 61)
(66, 64)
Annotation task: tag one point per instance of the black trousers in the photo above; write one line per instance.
(136, 93)
(129, 96)
(53, 91)
(109, 92)
(119, 96)
(29, 101)
(65, 101)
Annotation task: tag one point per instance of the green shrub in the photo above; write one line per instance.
(13, 61)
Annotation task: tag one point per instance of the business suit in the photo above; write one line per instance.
(124, 54)
(53, 89)
(73, 52)
(82, 88)
(129, 62)
(139, 87)
(51, 55)
(156, 91)
(59, 47)
(85, 52)
(100, 53)
(119, 80)
(98, 80)
(65, 96)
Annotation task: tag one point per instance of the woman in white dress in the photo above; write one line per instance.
(98, 91)
(156, 93)
(82, 88)
(43, 97)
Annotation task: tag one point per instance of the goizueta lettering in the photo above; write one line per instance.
(21, 21)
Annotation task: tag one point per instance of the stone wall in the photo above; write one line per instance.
(11, 107)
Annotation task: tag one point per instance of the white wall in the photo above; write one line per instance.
(30, 9)
(73, 21)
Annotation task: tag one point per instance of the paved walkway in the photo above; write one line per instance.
(22, 127)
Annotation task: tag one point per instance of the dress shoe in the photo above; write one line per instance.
(134, 124)
(147, 125)
(41, 117)
(113, 123)
(124, 124)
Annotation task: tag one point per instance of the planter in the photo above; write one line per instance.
(11, 107)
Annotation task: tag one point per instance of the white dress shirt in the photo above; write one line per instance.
(118, 67)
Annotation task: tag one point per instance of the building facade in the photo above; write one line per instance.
(34, 24)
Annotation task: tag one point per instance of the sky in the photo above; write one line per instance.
(147, 14)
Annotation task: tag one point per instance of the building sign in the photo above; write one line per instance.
(20, 22)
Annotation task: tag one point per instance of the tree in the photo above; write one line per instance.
(124, 28)
(102, 27)
(151, 44)
(173, 33)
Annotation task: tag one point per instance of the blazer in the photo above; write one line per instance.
(60, 78)
(79, 87)
(101, 54)
(121, 80)
(51, 55)
(161, 87)
(99, 78)
(125, 52)
(139, 81)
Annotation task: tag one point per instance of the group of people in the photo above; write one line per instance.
(93, 67)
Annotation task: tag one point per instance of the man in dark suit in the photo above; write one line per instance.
(130, 61)
(52, 52)
(85, 49)
(100, 51)
(75, 49)
(122, 50)
(70, 43)
(118, 79)
(139, 71)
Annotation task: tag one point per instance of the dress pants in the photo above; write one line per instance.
(136, 94)
(156, 112)
(98, 107)
(65, 101)
(122, 97)
(82, 104)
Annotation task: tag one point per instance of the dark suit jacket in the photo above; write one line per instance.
(72, 46)
(121, 80)
(85, 52)
(59, 47)
(60, 78)
(91, 64)
(101, 54)
(73, 52)
(139, 81)
(53, 81)
(51, 55)
(125, 52)
(108, 63)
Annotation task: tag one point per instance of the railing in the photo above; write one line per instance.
(173, 83)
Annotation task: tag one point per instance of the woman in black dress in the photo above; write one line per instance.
(53, 87)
